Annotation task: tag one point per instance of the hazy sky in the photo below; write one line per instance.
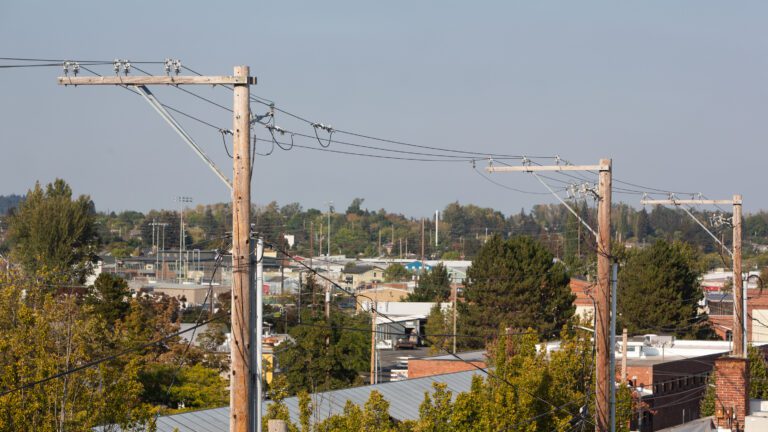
(674, 91)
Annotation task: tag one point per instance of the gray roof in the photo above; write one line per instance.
(404, 399)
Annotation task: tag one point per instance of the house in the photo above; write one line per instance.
(389, 292)
(670, 376)
(582, 289)
(190, 294)
(357, 275)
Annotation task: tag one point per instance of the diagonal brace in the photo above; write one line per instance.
(152, 100)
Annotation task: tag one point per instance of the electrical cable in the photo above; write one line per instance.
(93, 363)
(479, 368)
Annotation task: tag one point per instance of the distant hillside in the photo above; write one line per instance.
(8, 202)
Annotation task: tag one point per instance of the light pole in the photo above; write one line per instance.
(330, 209)
(182, 200)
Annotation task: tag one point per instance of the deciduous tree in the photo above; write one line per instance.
(51, 230)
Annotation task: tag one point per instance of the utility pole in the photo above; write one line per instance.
(739, 299)
(422, 244)
(182, 268)
(437, 227)
(330, 207)
(603, 289)
(242, 418)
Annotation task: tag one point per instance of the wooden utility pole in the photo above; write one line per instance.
(422, 244)
(739, 323)
(241, 382)
(242, 379)
(739, 312)
(603, 289)
(602, 300)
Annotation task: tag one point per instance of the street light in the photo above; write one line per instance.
(181, 200)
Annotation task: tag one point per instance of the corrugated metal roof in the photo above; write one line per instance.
(404, 399)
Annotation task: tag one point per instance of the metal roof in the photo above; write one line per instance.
(404, 399)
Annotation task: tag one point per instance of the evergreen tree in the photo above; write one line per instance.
(658, 290)
(515, 283)
(109, 297)
(433, 286)
(309, 363)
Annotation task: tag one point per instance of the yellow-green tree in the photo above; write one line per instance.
(51, 230)
(43, 335)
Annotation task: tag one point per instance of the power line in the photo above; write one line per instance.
(104, 359)
(479, 368)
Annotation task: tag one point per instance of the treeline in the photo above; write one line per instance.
(463, 229)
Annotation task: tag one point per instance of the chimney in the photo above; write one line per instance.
(732, 391)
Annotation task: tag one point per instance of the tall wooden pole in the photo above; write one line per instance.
(602, 301)
(241, 382)
(738, 288)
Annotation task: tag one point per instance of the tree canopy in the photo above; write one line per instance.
(658, 290)
(433, 286)
(51, 230)
(515, 283)
(309, 363)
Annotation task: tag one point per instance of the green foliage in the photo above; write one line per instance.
(758, 373)
(109, 297)
(515, 282)
(310, 363)
(522, 395)
(451, 256)
(52, 231)
(277, 392)
(529, 391)
(396, 273)
(658, 289)
(433, 286)
(194, 386)
(708, 403)
(439, 322)
(41, 335)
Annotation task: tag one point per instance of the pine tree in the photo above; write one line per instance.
(515, 283)
(658, 290)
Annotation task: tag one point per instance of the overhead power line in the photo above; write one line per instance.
(93, 363)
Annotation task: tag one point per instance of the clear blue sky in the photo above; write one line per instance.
(674, 92)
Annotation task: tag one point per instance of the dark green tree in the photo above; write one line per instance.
(309, 363)
(53, 231)
(433, 286)
(658, 290)
(110, 298)
(515, 283)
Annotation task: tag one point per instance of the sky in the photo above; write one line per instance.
(674, 93)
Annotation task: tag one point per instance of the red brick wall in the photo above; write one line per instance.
(732, 392)
(418, 368)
